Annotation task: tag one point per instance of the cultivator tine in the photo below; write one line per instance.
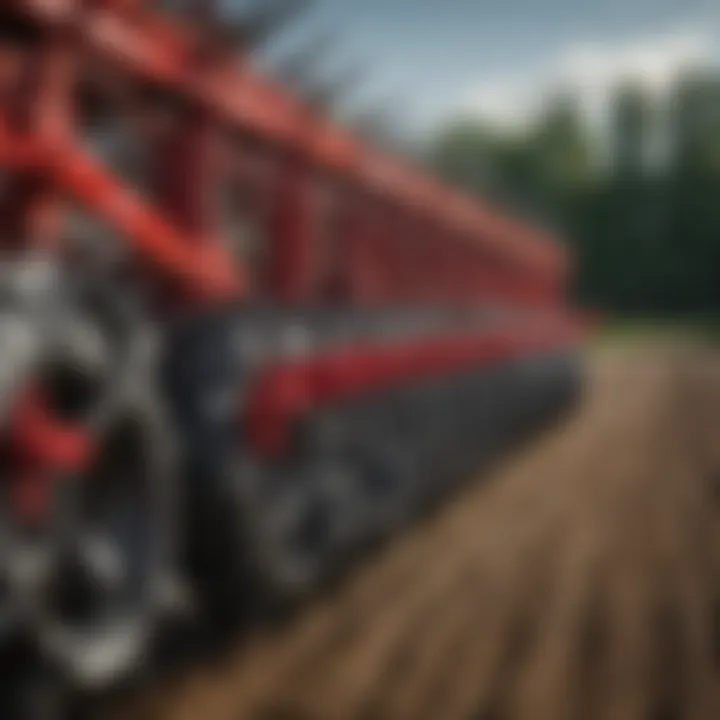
(297, 69)
(327, 95)
(266, 19)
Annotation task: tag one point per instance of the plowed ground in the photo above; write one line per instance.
(581, 579)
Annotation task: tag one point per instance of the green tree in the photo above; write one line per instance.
(646, 224)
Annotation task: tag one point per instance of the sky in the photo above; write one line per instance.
(434, 59)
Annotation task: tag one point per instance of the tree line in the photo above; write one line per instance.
(636, 193)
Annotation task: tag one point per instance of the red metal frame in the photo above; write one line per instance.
(164, 51)
(405, 238)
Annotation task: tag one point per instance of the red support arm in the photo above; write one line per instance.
(202, 269)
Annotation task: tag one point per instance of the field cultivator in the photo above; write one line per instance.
(237, 344)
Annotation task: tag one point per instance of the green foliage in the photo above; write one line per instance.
(641, 206)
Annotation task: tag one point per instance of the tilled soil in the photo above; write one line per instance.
(581, 579)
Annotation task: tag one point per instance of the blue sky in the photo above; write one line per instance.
(434, 57)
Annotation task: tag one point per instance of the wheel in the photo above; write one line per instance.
(289, 530)
(83, 576)
(99, 607)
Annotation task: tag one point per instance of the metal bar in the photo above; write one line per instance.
(291, 273)
(41, 104)
(202, 269)
(286, 392)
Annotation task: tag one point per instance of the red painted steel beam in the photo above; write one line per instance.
(201, 269)
(189, 158)
(37, 99)
(292, 232)
(20, 152)
(162, 50)
(286, 392)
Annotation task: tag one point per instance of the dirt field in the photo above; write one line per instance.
(581, 580)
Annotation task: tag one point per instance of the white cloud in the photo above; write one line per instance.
(591, 70)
